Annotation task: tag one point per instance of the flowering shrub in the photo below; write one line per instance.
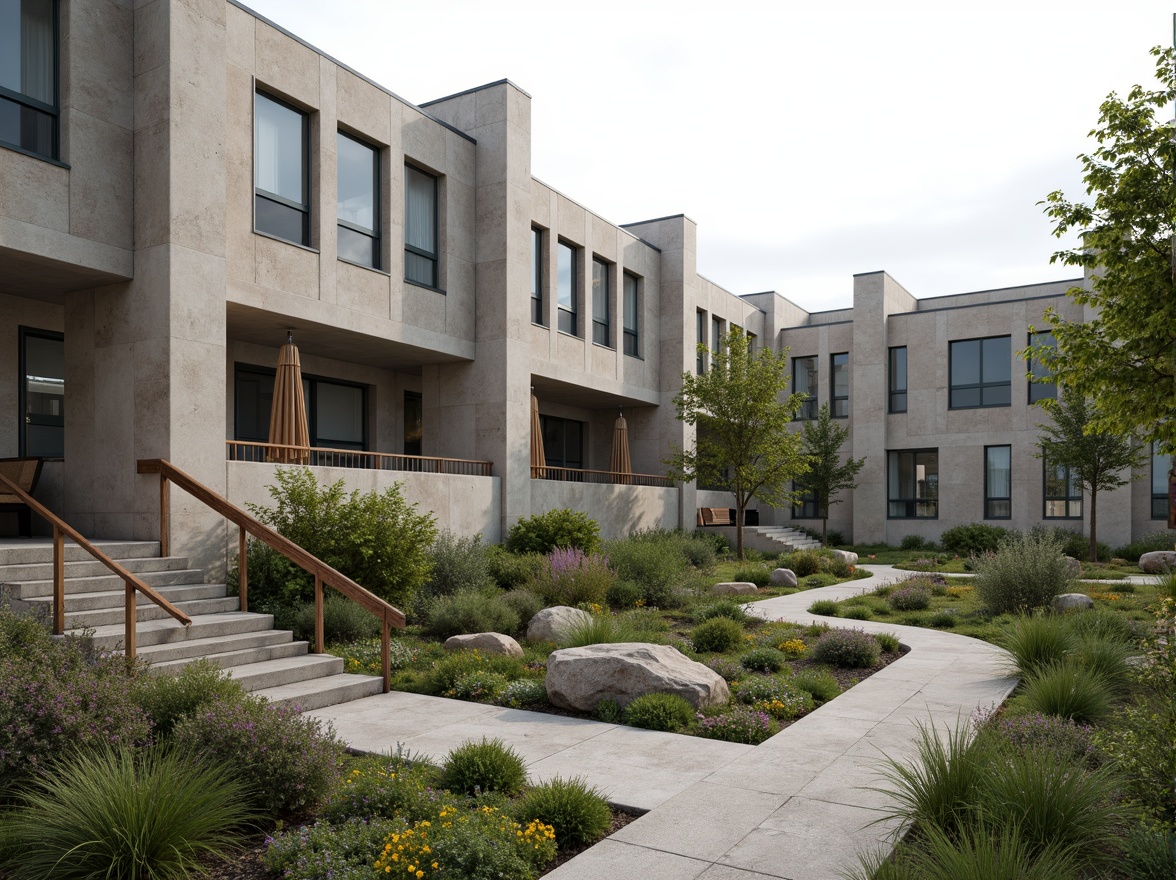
(573, 576)
(384, 788)
(522, 693)
(958, 592)
(719, 634)
(911, 596)
(740, 724)
(763, 660)
(291, 759)
(667, 712)
(728, 670)
(479, 686)
(453, 667)
(847, 648)
(363, 658)
(577, 812)
(343, 851)
(779, 698)
(1069, 740)
(792, 648)
(1105, 597)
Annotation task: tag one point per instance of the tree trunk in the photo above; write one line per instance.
(825, 531)
(1092, 552)
(740, 504)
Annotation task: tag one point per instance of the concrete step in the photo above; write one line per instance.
(29, 590)
(166, 630)
(150, 611)
(221, 652)
(108, 599)
(22, 551)
(287, 670)
(169, 652)
(319, 692)
(89, 567)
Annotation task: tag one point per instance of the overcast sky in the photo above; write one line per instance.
(809, 140)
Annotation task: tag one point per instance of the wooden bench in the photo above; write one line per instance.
(24, 472)
(714, 516)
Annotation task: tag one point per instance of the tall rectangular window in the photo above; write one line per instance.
(42, 394)
(716, 335)
(998, 487)
(28, 76)
(804, 381)
(1062, 492)
(565, 288)
(981, 372)
(1160, 465)
(806, 506)
(751, 340)
(839, 385)
(897, 381)
(1042, 390)
(700, 339)
(413, 423)
(601, 304)
(421, 254)
(336, 412)
(563, 442)
(912, 484)
(632, 315)
(281, 177)
(358, 201)
(537, 315)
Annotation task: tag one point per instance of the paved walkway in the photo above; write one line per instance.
(794, 807)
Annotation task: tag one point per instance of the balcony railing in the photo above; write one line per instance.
(579, 475)
(242, 450)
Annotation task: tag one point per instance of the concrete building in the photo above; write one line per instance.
(182, 184)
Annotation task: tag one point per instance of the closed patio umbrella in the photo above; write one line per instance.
(538, 459)
(620, 463)
(288, 414)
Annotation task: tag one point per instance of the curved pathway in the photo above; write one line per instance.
(797, 806)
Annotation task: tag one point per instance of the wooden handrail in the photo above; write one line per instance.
(323, 574)
(583, 475)
(62, 530)
(277, 453)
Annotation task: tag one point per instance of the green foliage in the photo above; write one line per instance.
(603, 629)
(1076, 545)
(573, 577)
(818, 682)
(1152, 541)
(827, 474)
(728, 608)
(667, 712)
(846, 648)
(456, 564)
(523, 693)
(377, 539)
(779, 697)
(525, 604)
(343, 621)
(610, 712)
(1026, 572)
(912, 595)
(1035, 642)
(742, 442)
(577, 811)
(763, 660)
(123, 815)
(654, 561)
(470, 611)
(719, 634)
(983, 852)
(341, 851)
(1068, 691)
(168, 698)
(803, 562)
(942, 620)
(560, 528)
(489, 765)
(449, 670)
(857, 612)
(972, 539)
(1070, 741)
(888, 642)
(757, 574)
(915, 542)
(624, 594)
(512, 571)
(1150, 854)
(738, 724)
(824, 607)
(479, 686)
(379, 787)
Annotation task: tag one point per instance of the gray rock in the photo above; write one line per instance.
(487, 643)
(1073, 565)
(1157, 561)
(579, 678)
(734, 588)
(1072, 602)
(847, 556)
(783, 577)
(553, 624)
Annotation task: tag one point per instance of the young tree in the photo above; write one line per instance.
(827, 474)
(741, 410)
(1096, 457)
(1123, 355)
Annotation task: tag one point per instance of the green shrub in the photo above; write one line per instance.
(290, 760)
(818, 682)
(760, 575)
(888, 642)
(1070, 741)
(821, 579)
(667, 712)
(512, 571)
(342, 851)
(655, 561)
(824, 607)
(727, 669)
(610, 712)
(624, 594)
(449, 670)
(457, 564)
(719, 634)
(344, 621)
(985, 852)
(912, 595)
(578, 812)
(1152, 541)
(804, 562)
(914, 542)
(1076, 545)
(603, 629)
(717, 541)
(1027, 571)
(168, 698)
(479, 686)
(121, 814)
(1106, 659)
(780, 698)
(523, 693)
(489, 765)
(1066, 690)
(377, 539)
(561, 528)
(942, 620)
(738, 724)
(846, 648)
(1099, 624)
(763, 660)
(856, 612)
(1150, 854)
(525, 604)
(470, 612)
(380, 787)
(573, 577)
(1035, 642)
(973, 539)
(728, 608)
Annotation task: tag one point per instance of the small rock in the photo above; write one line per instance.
(734, 588)
(555, 623)
(487, 643)
(846, 556)
(783, 577)
(1157, 561)
(579, 678)
(1073, 566)
(1072, 602)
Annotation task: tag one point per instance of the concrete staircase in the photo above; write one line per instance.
(776, 539)
(266, 661)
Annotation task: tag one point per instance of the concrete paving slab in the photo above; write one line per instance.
(613, 859)
(784, 774)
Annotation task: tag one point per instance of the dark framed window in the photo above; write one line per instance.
(28, 76)
(1160, 465)
(601, 304)
(806, 505)
(631, 319)
(565, 289)
(1062, 492)
(1042, 390)
(413, 423)
(839, 385)
(421, 255)
(41, 393)
(358, 209)
(537, 315)
(998, 484)
(912, 484)
(700, 338)
(281, 170)
(897, 379)
(751, 340)
(563, 442)
(336, 412)
(804, 381)
(716, 335)
(981, 373)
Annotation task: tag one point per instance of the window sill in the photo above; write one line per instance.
(611, 348)
(635, 357)
(412, 283)
(362, 266)
(981, 406)
(33, 155)
(537, 324)
(1068, 518)
(297, 244)
(570, 335)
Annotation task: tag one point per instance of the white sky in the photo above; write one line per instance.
(809, 140)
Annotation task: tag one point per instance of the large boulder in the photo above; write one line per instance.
(846, 556)
(555, 623)
(783, 577)
(734, 588)
(579, 678)
(1072, 602)
(1157, 561)
(1073, 566)
(486, 643)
